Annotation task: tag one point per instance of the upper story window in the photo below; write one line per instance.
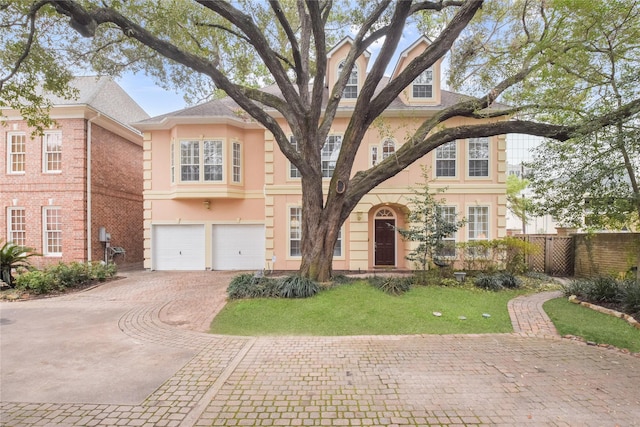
(201, 161)
(16, 226)
(423, 84)
(236, 162)
(330, 152)
(16, 152)
(388, 148)
(374, 155)
(172, 156)
(446, 160)
(479, 157)
(351, 88)
(293, 171)
(52, 152)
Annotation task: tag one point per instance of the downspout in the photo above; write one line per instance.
(89, 213)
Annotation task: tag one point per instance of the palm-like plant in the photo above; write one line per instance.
(13, 256)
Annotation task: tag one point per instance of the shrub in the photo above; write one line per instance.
(630, 297)
(13, 256)
(598, 289)
(298, 287)
(392, 285)
(37, 282)
(489, 282)
(450, 282)
(249, 286)
(508, 280)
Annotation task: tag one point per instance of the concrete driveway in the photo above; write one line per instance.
(133, 352)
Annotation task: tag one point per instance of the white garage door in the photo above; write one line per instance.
(238, 247)
(178, 247)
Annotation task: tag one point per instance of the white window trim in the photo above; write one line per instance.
(424, 98)
(336, 159)
(374, 151)
(357, 84)
(384, 143)
(201, 164)
(45, 160)
(10, 153)
(10, 225)
(468, 231)
(172, 162)
(45, 237)
(240, 179)
(289, 209)
(455, 159)
(454, 236)
(291, 167)
(469, 158)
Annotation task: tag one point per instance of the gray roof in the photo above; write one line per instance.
(104, 95)
(228, 108)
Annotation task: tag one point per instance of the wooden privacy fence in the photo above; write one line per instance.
(553, 255)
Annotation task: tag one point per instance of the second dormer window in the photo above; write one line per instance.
(423, 85)
(351, 88)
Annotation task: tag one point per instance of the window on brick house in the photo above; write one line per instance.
(201, 161)
(446, 159)
(423, 85)
(479, 157)
(52, 227)
(16, 152)
(16, 226)
(351, 88)
(52, 152)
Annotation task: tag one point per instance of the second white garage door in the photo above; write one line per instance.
(238, 247)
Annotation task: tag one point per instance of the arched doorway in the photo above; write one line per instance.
(384, 246)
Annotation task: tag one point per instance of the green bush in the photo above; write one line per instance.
(249, 286)
(37, 282)
(630, 297)
(490, 282)
(508, 280)
(298, 287)
(450, 282)
(391, 285)
(598, 289)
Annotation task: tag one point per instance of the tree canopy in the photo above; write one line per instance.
(542, 59)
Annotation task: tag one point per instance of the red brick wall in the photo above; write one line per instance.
(605, 253)
(119, 194)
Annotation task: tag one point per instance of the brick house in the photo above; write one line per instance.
(218, 194)
(83, 173)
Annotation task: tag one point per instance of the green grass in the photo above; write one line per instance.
(360, 309)
(574, 319)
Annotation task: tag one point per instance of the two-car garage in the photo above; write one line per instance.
(185, 247)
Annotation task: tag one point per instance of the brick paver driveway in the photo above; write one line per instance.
(130, 353)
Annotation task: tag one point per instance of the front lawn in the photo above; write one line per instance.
(360, 309)
(574, 319)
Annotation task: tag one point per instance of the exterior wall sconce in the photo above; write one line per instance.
(207, 204)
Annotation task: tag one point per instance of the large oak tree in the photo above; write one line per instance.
(509, 50)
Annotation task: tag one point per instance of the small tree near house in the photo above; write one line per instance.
(429, 225)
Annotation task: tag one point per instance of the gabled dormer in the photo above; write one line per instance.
(335, 62)
(425, 89)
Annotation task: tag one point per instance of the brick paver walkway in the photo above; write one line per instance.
(497, 379)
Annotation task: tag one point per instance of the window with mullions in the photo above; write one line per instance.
(52, 152)
(479, 157)
(423, 85)
(16, 152)
(446, 159)
(388, 148)
(295, 234)
(478, 223)
(293, 171)
(330, 152)
(17, 226)
(351, 88)
(201, 161)
(448, 248)
(52, 225)
(237, 165)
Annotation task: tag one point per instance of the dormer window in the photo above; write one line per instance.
(351, 88)
(423, 85)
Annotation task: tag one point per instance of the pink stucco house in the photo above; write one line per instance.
(58, 189)
(218, 194)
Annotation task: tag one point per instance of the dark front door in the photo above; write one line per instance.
(385, 242)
